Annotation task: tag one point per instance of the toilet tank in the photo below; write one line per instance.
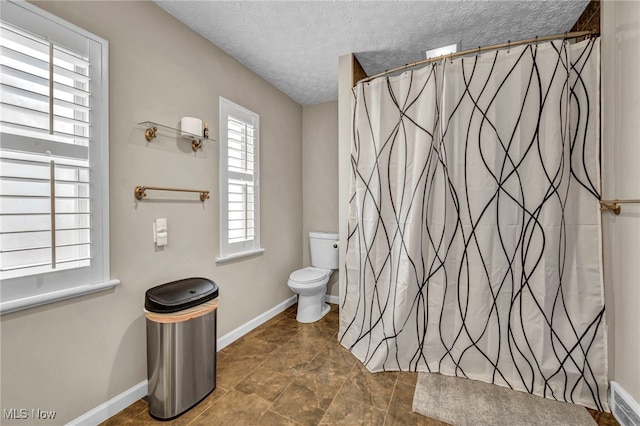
(323, 253)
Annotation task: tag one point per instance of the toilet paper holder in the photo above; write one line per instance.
(191, 129)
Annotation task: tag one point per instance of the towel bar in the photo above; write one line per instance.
(141, 191)
(614, 205)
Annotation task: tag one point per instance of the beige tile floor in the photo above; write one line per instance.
(288, 373)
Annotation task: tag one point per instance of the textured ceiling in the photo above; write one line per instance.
(295, 45)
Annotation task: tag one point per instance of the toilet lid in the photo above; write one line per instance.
(308, 275)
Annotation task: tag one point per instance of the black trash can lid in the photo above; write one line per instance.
(178, 295)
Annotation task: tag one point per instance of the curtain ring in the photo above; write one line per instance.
(508, 46)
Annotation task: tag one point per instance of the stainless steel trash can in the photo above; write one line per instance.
(181, 345)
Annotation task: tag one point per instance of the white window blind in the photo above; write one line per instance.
(53, 155)
(45, 88)
(45, 216)
(239, 190)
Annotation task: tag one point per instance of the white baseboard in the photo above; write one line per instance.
(112, 407)
(237, 333)
(330, 298)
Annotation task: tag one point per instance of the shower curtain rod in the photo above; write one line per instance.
(575, 34)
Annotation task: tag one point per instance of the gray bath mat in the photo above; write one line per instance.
(464, 402)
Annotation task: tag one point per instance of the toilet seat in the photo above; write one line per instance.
(309, 275)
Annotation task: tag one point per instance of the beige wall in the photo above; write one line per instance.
(74, 355)
(320, 175)
(621, 179)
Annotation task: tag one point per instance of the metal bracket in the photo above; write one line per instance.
(613, 206)
(150, 133)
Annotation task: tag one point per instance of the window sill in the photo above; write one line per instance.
(55, 296)
(236, 256)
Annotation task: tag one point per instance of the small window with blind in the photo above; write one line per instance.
(239, 182)
(53, 158)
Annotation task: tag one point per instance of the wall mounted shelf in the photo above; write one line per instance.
(152, 129)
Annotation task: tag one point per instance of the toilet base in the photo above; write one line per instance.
(311, 309)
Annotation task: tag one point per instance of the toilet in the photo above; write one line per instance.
(310, 283)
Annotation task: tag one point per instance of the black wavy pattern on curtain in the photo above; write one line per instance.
(571, 355)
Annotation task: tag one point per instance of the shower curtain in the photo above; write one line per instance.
(474, 226)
